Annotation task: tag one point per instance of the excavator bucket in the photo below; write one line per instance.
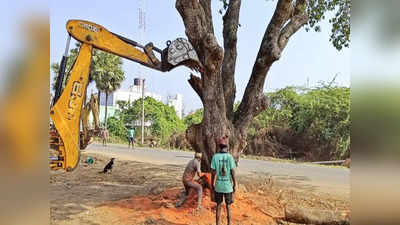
(181, 52)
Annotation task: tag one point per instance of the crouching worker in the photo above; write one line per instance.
(192, 168)
(223, 178)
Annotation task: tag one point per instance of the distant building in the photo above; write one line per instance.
(176, 102)
(132, 94)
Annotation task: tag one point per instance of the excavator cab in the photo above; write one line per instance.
(67, 106)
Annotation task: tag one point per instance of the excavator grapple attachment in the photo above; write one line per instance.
(181, 52)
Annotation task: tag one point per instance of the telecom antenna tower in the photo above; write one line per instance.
(141, 29)
(142, 40)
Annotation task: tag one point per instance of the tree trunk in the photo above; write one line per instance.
(215, 123)
(105, 112)
(202, 138)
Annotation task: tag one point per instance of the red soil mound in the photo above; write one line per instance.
(160, 209)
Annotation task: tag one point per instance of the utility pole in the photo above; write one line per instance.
(142, 81)
(142, 38)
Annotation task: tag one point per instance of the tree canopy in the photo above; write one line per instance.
(106, 71)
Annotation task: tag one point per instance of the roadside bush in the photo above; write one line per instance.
(311, 124)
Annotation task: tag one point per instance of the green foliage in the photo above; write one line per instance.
(163, 118)
(317, 11)
(322, 113)
(194, 118)
(117, 128)
(340, 21)
(106, 71)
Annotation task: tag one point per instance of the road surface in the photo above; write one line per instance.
(334, 181)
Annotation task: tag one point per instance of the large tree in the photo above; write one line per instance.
(216, 86)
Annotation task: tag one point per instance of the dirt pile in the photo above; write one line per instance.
(160, 209)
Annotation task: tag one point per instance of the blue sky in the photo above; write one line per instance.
(307, 55)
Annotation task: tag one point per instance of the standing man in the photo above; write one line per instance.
(131, 137)
(192, 168)
(105, 136)
(223, 177)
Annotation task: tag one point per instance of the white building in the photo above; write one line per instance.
(132, 94)
(176, 102)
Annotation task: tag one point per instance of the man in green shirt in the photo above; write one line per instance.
(131, 137)
(223, 177)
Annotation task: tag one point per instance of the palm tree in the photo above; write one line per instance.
(55, 67)
(107, 73)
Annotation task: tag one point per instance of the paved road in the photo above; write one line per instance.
(334, 181)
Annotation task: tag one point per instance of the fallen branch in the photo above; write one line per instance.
(312, 216)
(330, 162)
(316, 216)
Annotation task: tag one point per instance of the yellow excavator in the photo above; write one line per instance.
(66, 109)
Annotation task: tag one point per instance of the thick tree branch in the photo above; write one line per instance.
(253, 101)
(197, 19)
(197, 85)
(207, 20)
(231, 24)
(199, 29)
(299, 19)
(190, 13)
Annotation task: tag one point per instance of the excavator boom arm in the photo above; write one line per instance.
(67, 105)
(98, 36)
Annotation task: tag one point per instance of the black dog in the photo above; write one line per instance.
(109, 166)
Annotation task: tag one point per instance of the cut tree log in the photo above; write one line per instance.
(331, 162)
(316, 216)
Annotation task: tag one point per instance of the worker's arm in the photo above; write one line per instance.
(213, 179)
(213, 173)
(198, 167)
(199, 173)
(233, 173)
(233, 179)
